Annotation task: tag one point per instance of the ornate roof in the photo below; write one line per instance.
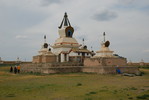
(80, 50)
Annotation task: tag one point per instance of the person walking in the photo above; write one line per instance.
(18, 68)
(11, 69)
(15, 70)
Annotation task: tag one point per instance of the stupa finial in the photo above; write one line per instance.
(44, 38)
(83, 41)
(104, 36)
(65, 21)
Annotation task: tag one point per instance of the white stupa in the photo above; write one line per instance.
(44, 49)
(65, 42)
(104, 51)
(44, 54)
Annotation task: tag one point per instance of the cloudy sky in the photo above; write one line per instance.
(23, 24)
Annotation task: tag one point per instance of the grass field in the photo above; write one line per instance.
(73, 86)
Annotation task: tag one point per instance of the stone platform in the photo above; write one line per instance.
(48, 68)
(111, 70)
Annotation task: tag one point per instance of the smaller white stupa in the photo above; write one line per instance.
(45, 55)
(44, 49)
(104, 51)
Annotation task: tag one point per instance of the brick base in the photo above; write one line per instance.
(48, 68)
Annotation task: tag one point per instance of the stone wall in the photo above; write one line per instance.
(108, 66)
(115, 61)
(48, 59)
(51, 68)
(105, 62)
(92, 62)
(48, 68)
(132, 70)
(37, 59)
(44, 58)
(110, 70)
(99, 70)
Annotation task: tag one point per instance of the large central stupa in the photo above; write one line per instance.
(66, 46)
(65, 39)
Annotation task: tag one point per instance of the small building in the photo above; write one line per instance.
(78, 55)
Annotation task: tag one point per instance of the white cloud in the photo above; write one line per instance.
(49, 2)
(146, 51)
(105, 15)
(21, 37)
(126, 2)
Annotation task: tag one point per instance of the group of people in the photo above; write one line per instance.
(15, 69)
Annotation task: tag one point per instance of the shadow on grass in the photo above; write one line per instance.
(79, 84)
(11, 95)
(145, 96)
(90, 93)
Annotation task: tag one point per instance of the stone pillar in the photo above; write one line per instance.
(67, 57)
(57, 58)
(62, 57)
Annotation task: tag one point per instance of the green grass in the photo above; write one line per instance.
(72, 86)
